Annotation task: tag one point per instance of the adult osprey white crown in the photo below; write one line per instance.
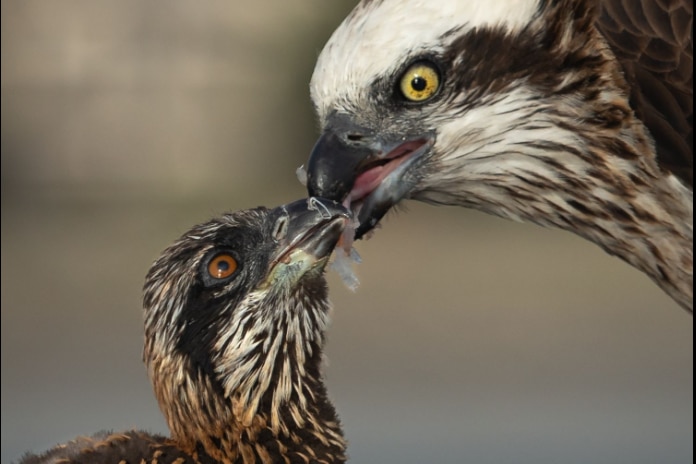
(575, 114)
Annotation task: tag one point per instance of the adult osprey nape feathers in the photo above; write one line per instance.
(575, 114)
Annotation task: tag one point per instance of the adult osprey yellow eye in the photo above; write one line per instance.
(222, 266)
(419, 82)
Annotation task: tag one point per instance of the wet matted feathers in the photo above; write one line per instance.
(236, 312)
(576, 114)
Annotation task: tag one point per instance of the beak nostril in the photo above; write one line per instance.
(354, 137)
(280, 230)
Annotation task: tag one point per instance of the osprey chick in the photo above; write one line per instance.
(235, 316)
(575, 114)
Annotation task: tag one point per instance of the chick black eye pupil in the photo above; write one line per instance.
(223, 266)
(418, 83)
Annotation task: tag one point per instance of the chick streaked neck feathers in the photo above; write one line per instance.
(236, 426)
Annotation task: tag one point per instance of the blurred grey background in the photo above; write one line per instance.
(471, 339)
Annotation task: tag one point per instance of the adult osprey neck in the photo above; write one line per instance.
(575, 114)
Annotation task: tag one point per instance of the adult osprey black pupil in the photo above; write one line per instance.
(419, 83)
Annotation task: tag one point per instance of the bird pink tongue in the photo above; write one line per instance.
(366, 183)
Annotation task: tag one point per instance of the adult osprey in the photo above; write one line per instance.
(235, 316)
(568, 113)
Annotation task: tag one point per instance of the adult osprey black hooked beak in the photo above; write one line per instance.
(575, 114)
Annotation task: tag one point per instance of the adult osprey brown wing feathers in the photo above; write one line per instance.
(653, 41)
(575, 114)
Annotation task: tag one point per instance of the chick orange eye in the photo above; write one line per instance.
(419, 82)
(222, 266)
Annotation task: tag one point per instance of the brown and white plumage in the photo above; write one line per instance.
(574, 114)
(235, 317)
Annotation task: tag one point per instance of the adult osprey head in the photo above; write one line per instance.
(236, 312)
(568, 113)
